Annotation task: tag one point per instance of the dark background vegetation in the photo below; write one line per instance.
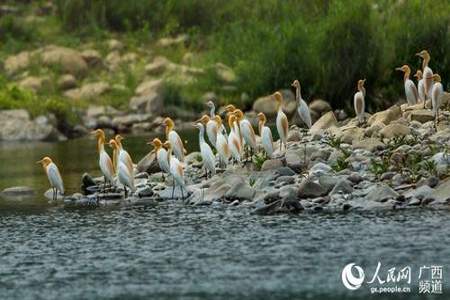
(328, 45)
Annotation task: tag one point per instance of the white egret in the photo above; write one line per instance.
(222, 145)
(266, 135)
(162, 156)
(176, 170)
(436, 94)
(281, 121)
(302, 109)
(427, 73)
(104, 161)
(53, 175)
(359, 102)
(411, 92)
(420, 87)
(208, 158)
(174, 139)
(126, 178)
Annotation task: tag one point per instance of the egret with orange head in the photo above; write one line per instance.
(302, 109)
(359, 101)
(281, 121)
(174, 139)
(266, 135)
(104, 162)
(53, 175)
(126, 178)
(411, 92)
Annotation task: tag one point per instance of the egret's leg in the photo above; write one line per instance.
(126, 192)
(182, 194)
(173, 187)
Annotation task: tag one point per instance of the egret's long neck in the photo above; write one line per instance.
(100, 144)
(298, 93)
(406, 75)
(279, 105)
(425, 62)
(212, 112)
(362, 90)
(260, 126)
(201, 136)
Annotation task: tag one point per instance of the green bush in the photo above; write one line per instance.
(13, 29)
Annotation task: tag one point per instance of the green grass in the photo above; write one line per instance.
(327, 44)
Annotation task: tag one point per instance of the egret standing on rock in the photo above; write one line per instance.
(161, 156)
(211, 128)
(426, 72)
(410, 88)
(420, 87)
(246, 129)
(266, 135)
(302, 109)
(176, 170)
(53, 175)
(221, 144)
(208, 158)
(126, 178)
(123, 155)
(436, 94)
(359, 102)
(282, 120)
(234, 142)
(174, 139)
(212, 114)
(104, 162)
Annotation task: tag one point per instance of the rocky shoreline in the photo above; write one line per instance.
(397, 160)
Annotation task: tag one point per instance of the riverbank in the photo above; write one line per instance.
(397, 160)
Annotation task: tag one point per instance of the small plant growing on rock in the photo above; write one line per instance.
(430, 167)
(378, 166)
(341, 163)
(258, 159)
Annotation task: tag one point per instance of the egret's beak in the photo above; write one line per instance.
(399, 69)
(418, 54)
(39, 162)
(151, 143)
(364, 80)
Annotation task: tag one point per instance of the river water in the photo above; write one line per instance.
(171, 250)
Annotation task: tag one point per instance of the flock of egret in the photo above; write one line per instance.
(240, 141)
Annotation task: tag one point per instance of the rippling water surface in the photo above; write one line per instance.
(170, 250)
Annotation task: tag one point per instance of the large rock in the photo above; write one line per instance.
(16, 63)
(92, 57)
(268, 105)
(442, 191)
(370, 144)
(67, 81)
(152, 103)
(271, 164)
(148, 164)
(149, 87)
(158, 66)
(422, 115)
(381, 193)
(225, 73)
(386, 116)
(310, 189)
(16, 125)
(395, 130)
(172, 41)
(17, 191)
(349, 134)
(89, 91)
(113, 60)
(115, 45)
(69, 60)
(320, 106)
(34, 83)
(325, 122)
